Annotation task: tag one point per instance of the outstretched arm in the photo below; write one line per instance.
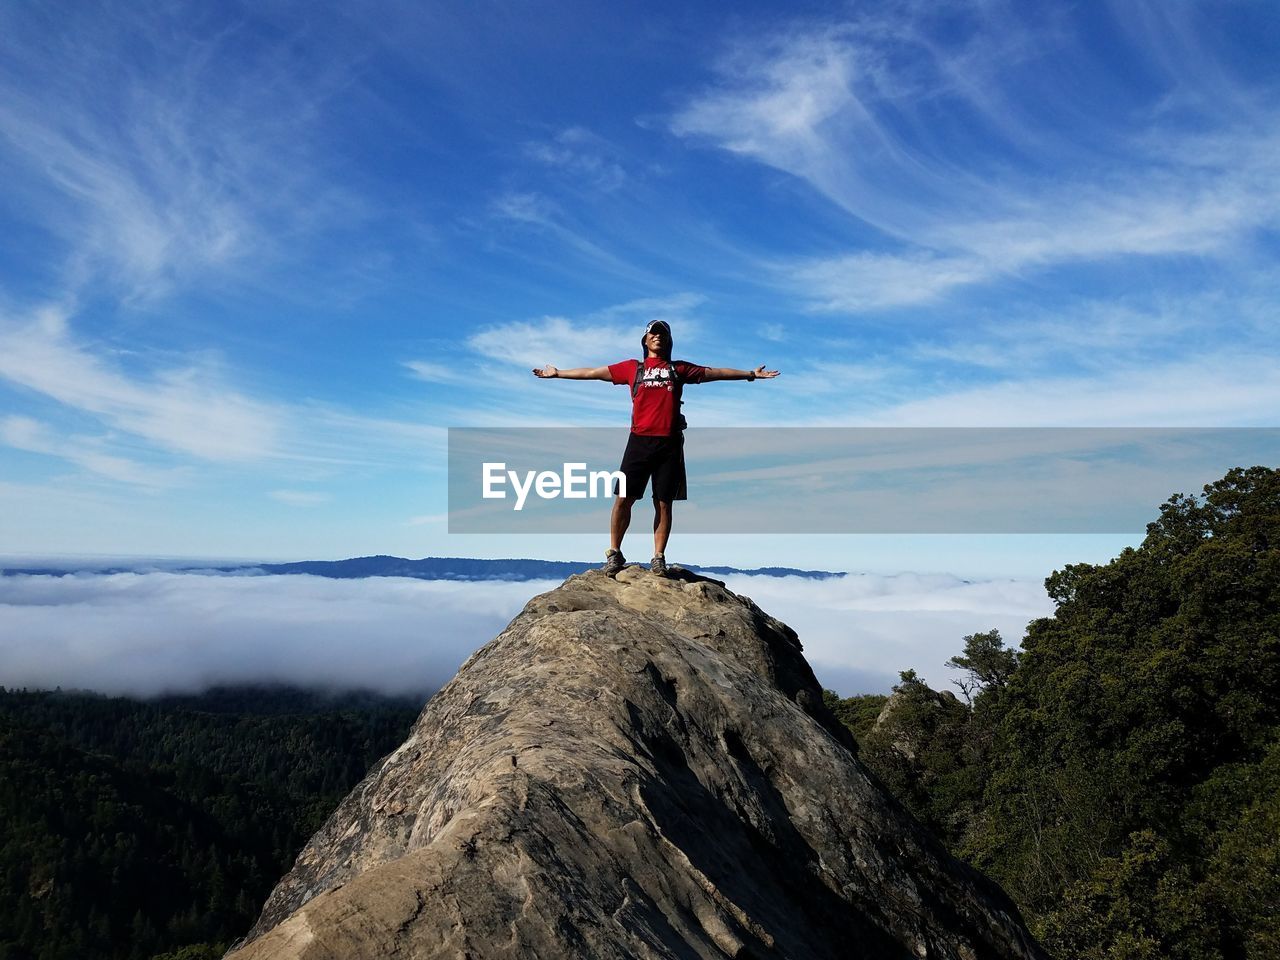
(577, 373)
(728, 373)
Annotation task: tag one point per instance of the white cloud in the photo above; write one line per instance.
(434, 372)
(1207, 391)
(868, 281)
(503, 392)
(156, 151)
(1134, 332)
(429, 518)
(520, 211)
(1142, 359)
(604, 336)
(567, 343)
(861, 630)
(524, 207)
(24, 433)
(585, 157)
(144, 633)
(144, 225)
(337, 437)
(188, 410)
(840, 107)
(775, 101)
(300, 498)
(673, 307)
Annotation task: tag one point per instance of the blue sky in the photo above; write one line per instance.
(256, 259)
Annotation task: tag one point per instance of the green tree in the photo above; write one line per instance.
(987, 663)
(1119, 776)
(131, 828)
(858, 713)
(1130, 739)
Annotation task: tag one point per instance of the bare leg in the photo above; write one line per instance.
(661, 525)
(619, 520)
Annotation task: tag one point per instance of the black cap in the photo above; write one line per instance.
(664, 326)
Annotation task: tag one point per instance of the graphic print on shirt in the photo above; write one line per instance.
(659, 377)
(654, 406)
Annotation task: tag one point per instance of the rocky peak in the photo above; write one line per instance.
(912, 708)
(634, 768)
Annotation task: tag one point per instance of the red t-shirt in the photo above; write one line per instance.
(653, 410)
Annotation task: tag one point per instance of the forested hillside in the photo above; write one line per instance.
(1120, 777)
(134, 828)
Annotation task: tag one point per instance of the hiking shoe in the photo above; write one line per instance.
(659, 565)
(613, 562)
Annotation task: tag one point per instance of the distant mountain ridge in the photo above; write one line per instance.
(427, 568)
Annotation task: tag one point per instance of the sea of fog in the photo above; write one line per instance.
(145, 633)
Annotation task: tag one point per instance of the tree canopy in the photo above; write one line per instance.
(137, 828)
(1119, 776)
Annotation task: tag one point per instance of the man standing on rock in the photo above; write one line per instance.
(655, 448)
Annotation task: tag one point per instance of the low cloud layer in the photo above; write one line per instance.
(147, 633)
(860, 631)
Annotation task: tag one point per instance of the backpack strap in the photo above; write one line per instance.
(675, 377)
(679, 425)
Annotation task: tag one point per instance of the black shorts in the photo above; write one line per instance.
(661, 458)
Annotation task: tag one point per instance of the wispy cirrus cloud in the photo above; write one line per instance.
(155, 150)
(1225, 388)
(868, 281)
(330, 437)
(25, 433)
(976, 161)
(160, 417)
(600, 337)
(532, 341)
(434, 372)
(581, 155)
(181, 412)
(676, 306)
(525, 211)
(188, 410)
(1138, 332)
(300, 498)
(488, 380)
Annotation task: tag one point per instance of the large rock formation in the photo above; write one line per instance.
(634, 768)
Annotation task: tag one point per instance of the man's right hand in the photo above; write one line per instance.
(547, 372)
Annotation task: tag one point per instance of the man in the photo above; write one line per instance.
(655, 449)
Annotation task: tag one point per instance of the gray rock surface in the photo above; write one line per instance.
(889, 722)
(634, 768)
